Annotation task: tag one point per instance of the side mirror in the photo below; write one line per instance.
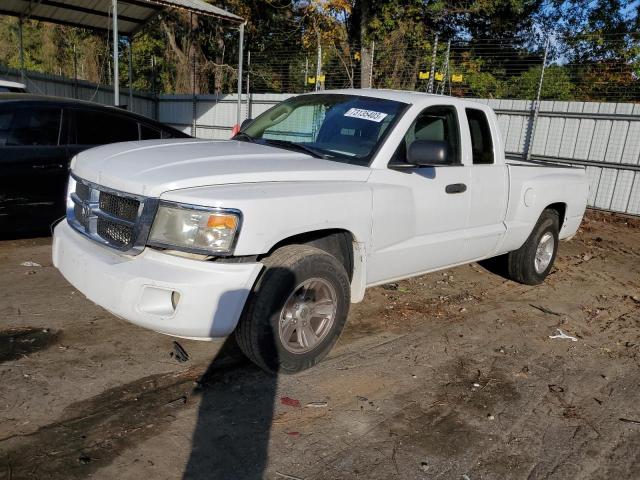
(429, 153)
(245, 123)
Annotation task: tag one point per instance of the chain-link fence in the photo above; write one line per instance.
(585, 68)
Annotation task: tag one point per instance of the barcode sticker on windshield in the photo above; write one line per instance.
(365, 114)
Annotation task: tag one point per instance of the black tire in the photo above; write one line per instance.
(521, 263)
(257, 332)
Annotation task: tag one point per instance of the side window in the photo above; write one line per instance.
(149, 133)
(434, 123)
(481, 140)
(30, 126)
(98, 128)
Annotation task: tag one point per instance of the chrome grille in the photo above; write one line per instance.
(123, 207)
(117, 234)
(117, 219)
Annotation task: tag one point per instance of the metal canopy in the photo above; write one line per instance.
(94, 14)
(126, 18)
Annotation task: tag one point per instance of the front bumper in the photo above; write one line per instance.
(140, 289)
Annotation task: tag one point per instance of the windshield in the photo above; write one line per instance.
(345, 128)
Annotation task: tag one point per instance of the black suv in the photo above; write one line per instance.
(38, 138)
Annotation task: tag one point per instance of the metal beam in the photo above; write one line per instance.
(573, 161)
(240, 58)
(583, 115)
(116, 73)
(88, 11)
(130, 74)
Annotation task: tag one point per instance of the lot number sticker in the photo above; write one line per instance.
(365, 114)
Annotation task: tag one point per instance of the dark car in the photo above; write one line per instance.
(38, 138)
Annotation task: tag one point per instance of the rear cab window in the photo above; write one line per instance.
(481, 139)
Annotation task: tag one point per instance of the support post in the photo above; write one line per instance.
(194, 104)
(373, 56)
(445, 77)
(75, 71)
(536, 106)
(130, 74)
(116, 71)
(240, 58)
(23, 76)
(432, 72)
(306, 74)
(248, 112)
(318, 64)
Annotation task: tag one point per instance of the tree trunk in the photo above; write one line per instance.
(219, 69)
(366, 57)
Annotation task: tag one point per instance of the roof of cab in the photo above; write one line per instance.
(405, 96)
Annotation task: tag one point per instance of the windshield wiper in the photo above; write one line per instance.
(297, 146)
(241, 136)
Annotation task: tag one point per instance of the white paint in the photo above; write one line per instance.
(403, 222)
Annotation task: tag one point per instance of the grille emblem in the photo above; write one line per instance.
(86, 211)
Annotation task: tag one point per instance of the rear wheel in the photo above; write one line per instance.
(296, 310)
(532, 262)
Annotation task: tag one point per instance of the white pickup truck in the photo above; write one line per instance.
(272, 234)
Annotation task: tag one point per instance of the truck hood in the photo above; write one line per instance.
(153, 167)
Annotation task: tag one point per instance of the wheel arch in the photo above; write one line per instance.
(340, 243)
(561, 209)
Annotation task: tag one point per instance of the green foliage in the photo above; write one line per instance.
(556, 85)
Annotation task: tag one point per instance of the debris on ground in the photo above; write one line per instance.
(390, 286)
(290, 477)
(628, 420)
(316, 404)
(178, 401)
(290, 402)
(560, 334)
(424, 466)
(545, 310)
(29, 263)
(179, 353)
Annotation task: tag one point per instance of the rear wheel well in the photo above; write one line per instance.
(336, 242)
(561, 209)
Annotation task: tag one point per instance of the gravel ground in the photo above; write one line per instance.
(451, 375)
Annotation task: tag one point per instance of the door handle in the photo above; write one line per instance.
(456, 188)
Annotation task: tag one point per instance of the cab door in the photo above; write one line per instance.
(33, 167)
(420, 214)
(488, 188)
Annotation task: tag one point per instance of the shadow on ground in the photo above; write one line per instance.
(231, 437)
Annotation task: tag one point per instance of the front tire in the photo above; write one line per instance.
(296, 311)
(532, 262)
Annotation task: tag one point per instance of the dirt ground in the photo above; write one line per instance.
(452, 375)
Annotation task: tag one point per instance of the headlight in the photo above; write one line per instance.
(71, 187)
(195, 229)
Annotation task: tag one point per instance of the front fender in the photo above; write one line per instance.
(275, 211)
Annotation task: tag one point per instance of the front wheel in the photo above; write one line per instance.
(296, 310)
(532, 262)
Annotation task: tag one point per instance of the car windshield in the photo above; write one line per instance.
(345, 128)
